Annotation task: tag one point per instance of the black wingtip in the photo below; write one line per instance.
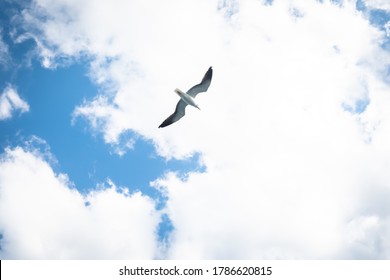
(208, 75)
(164, 124)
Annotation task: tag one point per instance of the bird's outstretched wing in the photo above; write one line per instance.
(177, 115)
(181, 105)
(204, 84)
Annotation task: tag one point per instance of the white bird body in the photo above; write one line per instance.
(187, 98)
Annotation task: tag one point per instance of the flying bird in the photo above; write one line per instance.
(188, 98)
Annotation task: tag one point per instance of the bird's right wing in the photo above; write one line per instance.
(177, 115)
(204, 84)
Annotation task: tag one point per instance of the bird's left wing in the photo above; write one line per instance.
(177, 115)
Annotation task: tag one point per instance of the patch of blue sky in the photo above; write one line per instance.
(361, 6)
(164, 229)
(376, 17)
(358, 107)
(379, 18)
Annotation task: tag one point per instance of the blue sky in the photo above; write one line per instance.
(299, 93)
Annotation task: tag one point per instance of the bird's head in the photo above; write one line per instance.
(179, 92)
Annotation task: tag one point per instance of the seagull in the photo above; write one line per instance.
(188, 98)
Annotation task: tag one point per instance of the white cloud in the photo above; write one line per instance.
(286, 164)
(4, 50)
(42, 217)
(378, 4)
(368, 237)
(10, 102)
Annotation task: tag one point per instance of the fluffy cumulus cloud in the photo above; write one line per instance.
(293, 132)
(10, 102)
(43, 217)
(378, 4)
